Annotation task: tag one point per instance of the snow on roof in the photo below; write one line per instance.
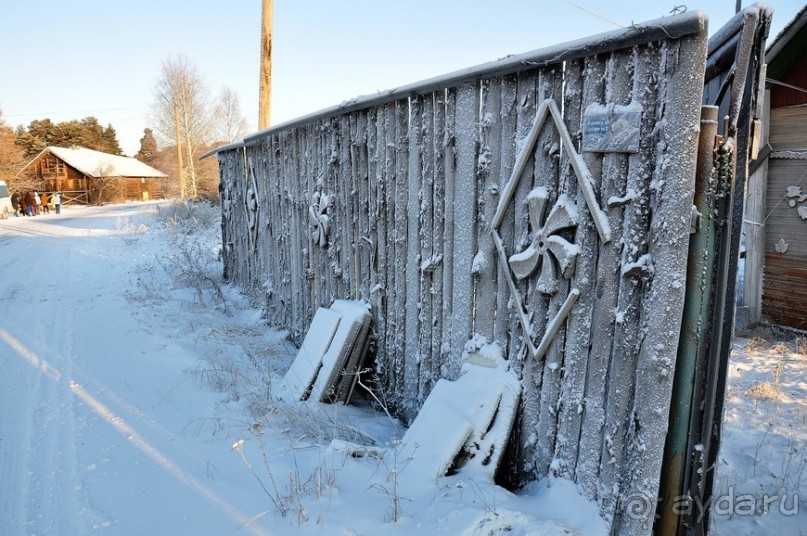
(98, 164)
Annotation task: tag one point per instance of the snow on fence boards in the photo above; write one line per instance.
(413, 187)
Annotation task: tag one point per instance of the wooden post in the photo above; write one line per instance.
(755, 202)
(265, 93)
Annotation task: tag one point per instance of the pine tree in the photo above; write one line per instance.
(110, 141)
(148, 147)
(87, 133)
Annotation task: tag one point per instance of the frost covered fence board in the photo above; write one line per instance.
(540, 203)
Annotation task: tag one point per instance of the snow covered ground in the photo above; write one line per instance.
(137, 399)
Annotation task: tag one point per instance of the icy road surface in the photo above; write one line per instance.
(94, 427)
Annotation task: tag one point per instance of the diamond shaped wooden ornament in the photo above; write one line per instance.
(547, 247)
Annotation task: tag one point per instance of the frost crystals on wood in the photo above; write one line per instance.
(546, 242)
(547, 246)
(318, 214)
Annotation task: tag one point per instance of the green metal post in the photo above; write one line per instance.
(694, 335)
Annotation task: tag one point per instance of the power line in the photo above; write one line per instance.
(603, 17)
(789, 86)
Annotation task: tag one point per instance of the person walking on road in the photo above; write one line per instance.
(15, 204)
(30, 202)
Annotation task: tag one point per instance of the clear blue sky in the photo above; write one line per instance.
(69, 59)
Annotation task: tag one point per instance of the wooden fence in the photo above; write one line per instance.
(541, 202)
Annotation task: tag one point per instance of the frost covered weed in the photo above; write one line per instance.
(755, 344)
(131, 230)
(768, 390)
(221, 375)
(479, 494)
(188, 217)
(390, 488)
(291, 497)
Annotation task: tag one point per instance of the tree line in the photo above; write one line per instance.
(186, 122)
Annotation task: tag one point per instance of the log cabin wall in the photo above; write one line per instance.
(487, 205)
(784, 294)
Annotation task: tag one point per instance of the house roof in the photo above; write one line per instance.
(97, 164)
(788, 45)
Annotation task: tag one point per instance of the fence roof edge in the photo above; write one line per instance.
(672, 27)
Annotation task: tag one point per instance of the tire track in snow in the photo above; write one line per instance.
(40, 490)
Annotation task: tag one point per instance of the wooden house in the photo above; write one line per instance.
(92, 177)
(775, 276)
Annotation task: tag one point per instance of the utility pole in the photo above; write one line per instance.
(265, 93)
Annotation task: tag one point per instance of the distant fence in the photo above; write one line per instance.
(542, 202)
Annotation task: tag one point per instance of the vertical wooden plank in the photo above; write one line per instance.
(438, 252)
(524, 118)
(572, 387)
(390, 151)
(412, 251)
(299, 195)
(505, 320)
(343, 165)
(347, 207)
(375, 200)
(281, 265)
(370, 279)
(486, 261)
(295, 279)
(356, 126)
(612, 184)
(587, 468)
(548, 173)
(682, 63)
(449, 186)
(381, 295)
(465, 220)
(287, 282)
(330, 170)
(361, 193)
(426, 238)
(627, 314)
(322, 144)
(618, 80)
(269, 243)
(402, 155)
(755, 216)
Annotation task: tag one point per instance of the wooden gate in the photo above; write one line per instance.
(542, 202)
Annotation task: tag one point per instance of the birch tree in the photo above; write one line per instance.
(230, 122)
(183, 116)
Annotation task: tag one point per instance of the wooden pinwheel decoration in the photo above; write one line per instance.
(318, 215)
(546, 243)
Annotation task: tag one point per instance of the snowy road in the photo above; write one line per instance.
(96, 406)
